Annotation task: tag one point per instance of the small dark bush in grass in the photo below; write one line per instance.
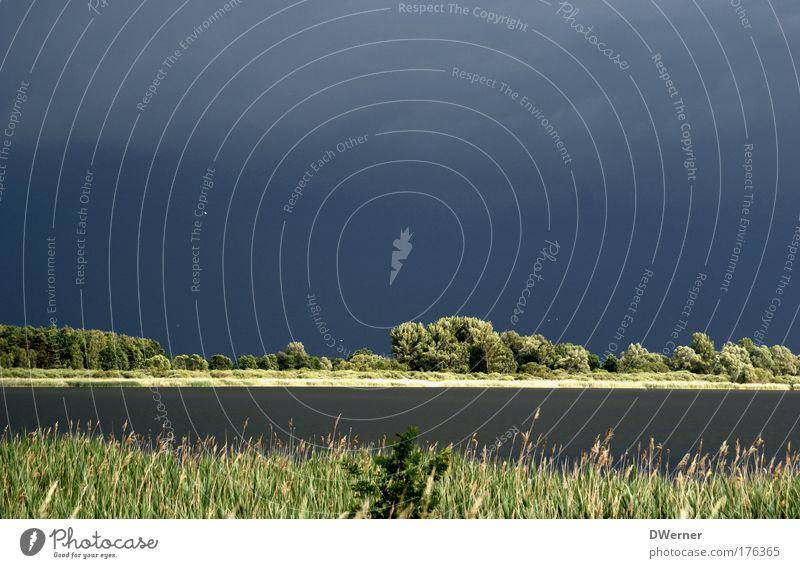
(401, 484)
(537, 370)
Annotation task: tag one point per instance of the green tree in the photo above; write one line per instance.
(732, 360)
(410, 343)
(112, 358)
(784, 361)
(295, 357)
(368, 361)
(703, 345)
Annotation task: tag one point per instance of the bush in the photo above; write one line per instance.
(685, 359)
(637, 358)
(529, 349)
(220, 363)
(537, 370)
(570, 358)
(247, 362)
(731, 361)
(784, 362)
(611, 364)
(268, 362)
(750, 374)
(372, 362)
(401, 484)
(761, 357)
(295, 357)
(190, 363)
(297, 351)
(157, 364)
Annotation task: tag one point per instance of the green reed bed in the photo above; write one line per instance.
(48, 474)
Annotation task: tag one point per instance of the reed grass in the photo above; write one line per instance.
(80, 475)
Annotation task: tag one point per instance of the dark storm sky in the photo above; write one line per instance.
(263, 90)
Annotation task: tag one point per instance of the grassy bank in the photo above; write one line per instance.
(306, 377)
(43, 475)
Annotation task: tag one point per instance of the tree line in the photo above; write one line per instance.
(450, 344)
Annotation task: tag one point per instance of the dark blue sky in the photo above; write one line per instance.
(251, 165)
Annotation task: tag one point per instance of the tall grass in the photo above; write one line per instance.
(57, 475)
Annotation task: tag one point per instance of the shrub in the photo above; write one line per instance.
(247, 362)
(190, 363)
(297, 351)
(455, 344)
(611, 363)
(594, 362)
(528, 348)
(401, 484)
(537, 370)
(750, 374)
(761, 357)
(157, 363)
(784, 362)
(571, 358)
(220, 363)
(371, 362)
(268, 362)
(637, 358)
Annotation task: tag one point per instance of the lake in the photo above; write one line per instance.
(569, 419)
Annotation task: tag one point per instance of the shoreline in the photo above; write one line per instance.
(378, 382)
